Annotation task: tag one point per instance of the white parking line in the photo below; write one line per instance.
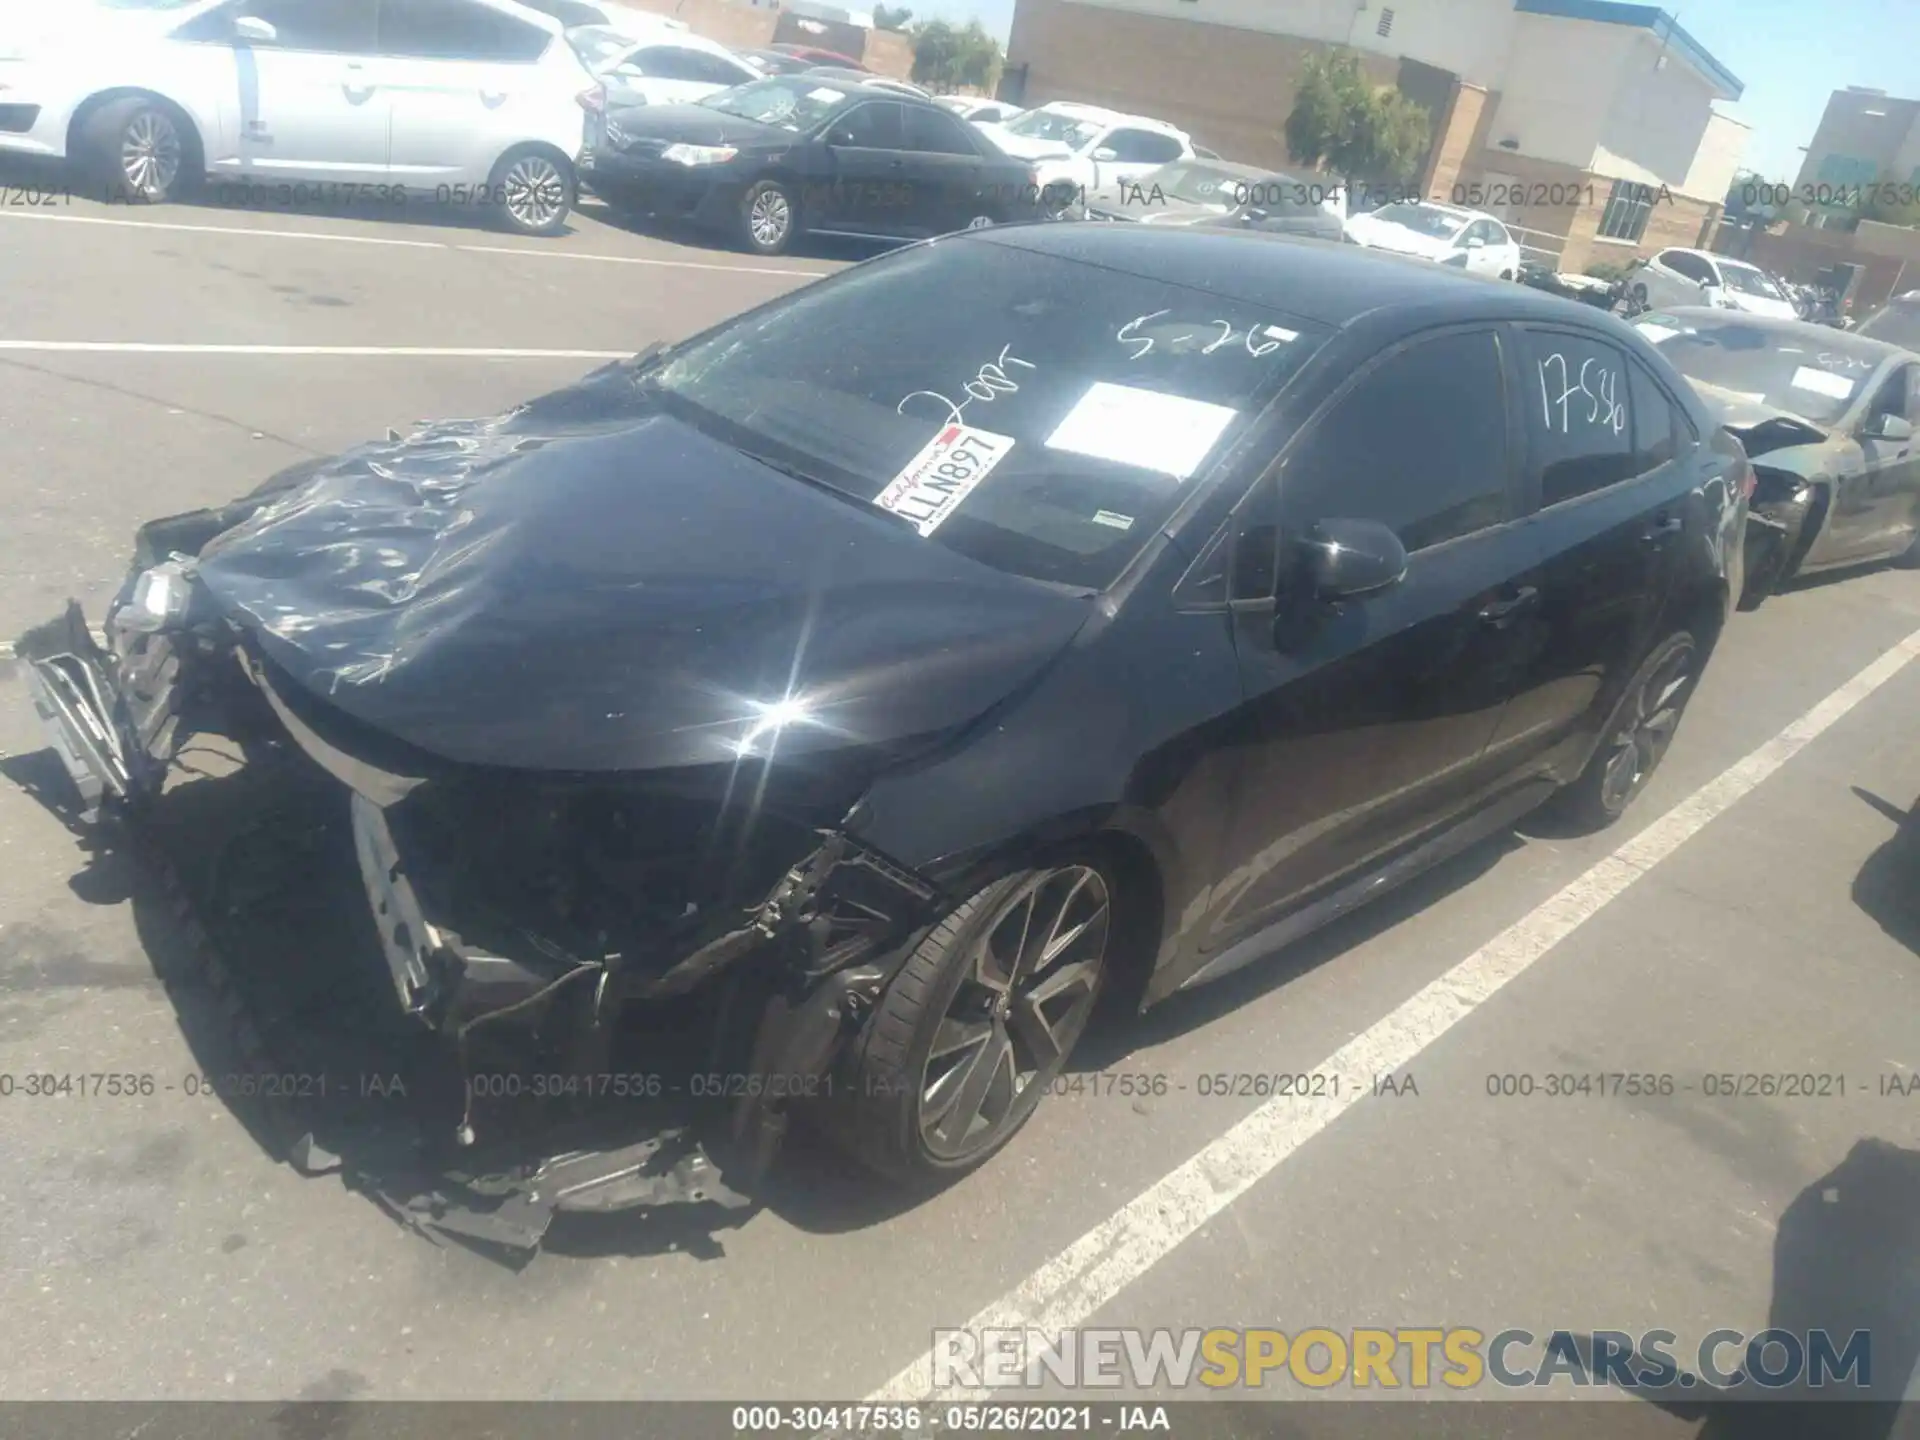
(529, 250)
(1080, 1279)
(141, 347)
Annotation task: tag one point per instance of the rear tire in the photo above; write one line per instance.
(533, 190)
(978, 1023)
(139, 149)
(1636, 736)
(1909, 558)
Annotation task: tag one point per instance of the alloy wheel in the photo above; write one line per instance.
(770, 218)
(1029, 988)
(980, 222)
(150, 152)
(1646, 727)
(534, 192)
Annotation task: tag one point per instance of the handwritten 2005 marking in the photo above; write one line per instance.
(1604, 409)
(989, 381)
(1126, 336)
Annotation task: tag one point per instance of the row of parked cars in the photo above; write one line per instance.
(513, 103)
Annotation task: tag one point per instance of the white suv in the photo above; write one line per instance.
(469, 101)
(1699, 277)
(1080, 148)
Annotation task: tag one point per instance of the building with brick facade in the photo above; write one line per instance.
(1591, 126)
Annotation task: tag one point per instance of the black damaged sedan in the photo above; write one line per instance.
(881, 680)
(769, 161)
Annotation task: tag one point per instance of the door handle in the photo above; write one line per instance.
(1663, 529)
(1500, 613)
(492, 99)
(354, 86)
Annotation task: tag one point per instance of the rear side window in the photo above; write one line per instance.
(1659, 426)
(936, 132)
(342, 27)
(1420, 444)
(678, 62)
(456, 30)
(1691, 266)
(1579, 414)
(1142, 147)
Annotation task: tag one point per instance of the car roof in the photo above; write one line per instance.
(1828, 338)
(684, 39)
(1324, 281)
(1099, 114)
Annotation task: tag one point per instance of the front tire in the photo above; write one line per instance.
(1636, 737)
(769, 218)
(533, 190)
(139, 149)
(979, 1022)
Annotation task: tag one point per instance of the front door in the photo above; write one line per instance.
(1892, 464)
(868, 188)
(945, 174)
(1365, 722)
(299, 100)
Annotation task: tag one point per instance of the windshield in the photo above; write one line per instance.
(1048, 426)
(1816, 379)
(599, 47)
(1051, 125)
(1749, 281)
(1422, 220)
(1898, 324)
(793, 102)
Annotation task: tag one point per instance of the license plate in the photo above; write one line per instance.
(943, 474)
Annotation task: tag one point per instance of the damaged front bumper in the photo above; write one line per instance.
(764, 995)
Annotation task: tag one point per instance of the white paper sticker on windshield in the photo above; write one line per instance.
(1656, 333)
(1822, 382)
(943, 474)
(826, 96)
(1275, 332)
(1113, 521)
(1142, 427)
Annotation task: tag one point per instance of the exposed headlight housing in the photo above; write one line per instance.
(699, 154)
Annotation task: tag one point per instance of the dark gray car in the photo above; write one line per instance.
(1827, 418)
(1220, 193)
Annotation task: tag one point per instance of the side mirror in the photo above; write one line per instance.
(1347, 558)
(1474, 242)
(1888, 426)
(252, 27)
(1253, 217)
(1106, 152)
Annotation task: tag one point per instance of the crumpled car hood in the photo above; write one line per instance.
(587, 584)
(1760, 427)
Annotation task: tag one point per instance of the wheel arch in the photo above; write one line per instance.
(89, 107)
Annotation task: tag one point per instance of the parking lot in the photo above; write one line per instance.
(1758, 912)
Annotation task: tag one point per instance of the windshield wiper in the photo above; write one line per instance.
(794, 472)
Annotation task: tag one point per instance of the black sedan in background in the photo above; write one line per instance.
(766, 162)
(1219, 192)
(1827, 417)
(871, 683)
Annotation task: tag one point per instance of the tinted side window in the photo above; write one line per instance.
(677, 62)
(1896, 394)
(1419, 444)
(1658, 427)
(345, 27)
(1142, 147)
(876, 125)
(456, 30)
(1579, 427)
(936, 131)
(1690, 266)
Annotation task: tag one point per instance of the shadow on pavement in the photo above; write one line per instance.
(1888, 885)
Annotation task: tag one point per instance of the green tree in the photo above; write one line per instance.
(949, 57)
(891, 17)
(1342, 122)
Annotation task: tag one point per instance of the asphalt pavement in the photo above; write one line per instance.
(1757, 913)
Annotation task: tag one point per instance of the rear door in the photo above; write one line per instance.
(303, 105)
(1607, 453)
(1365, 722)
(466, 85)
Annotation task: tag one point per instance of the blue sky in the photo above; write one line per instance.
(1790, 53)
